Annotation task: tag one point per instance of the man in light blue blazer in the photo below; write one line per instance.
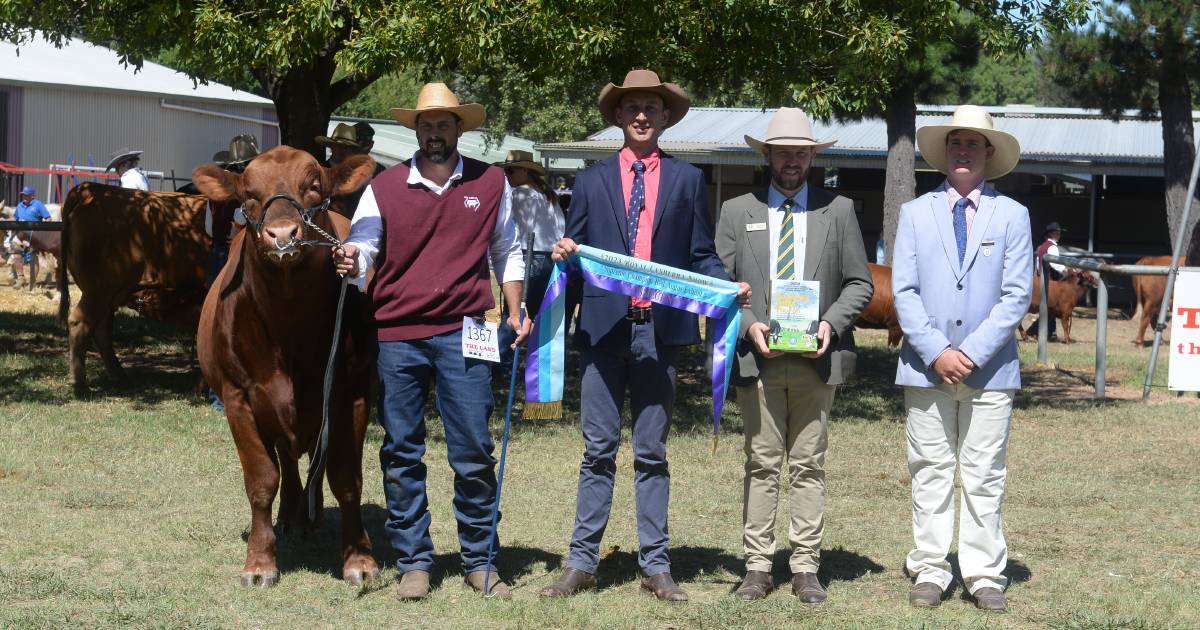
(961, 278)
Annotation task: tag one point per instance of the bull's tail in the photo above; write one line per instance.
(60, 274)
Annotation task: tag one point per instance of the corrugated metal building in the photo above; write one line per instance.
(59, 105)
(1102, 180)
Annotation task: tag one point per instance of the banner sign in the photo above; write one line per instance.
(1184, 368)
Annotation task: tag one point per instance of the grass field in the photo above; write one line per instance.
(127, 510)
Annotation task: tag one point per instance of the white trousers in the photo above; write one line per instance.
(949, 425)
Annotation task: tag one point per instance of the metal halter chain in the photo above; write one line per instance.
(306, 215)
(333, 242)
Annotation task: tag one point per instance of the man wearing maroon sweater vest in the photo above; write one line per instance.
(649, 205)
(428, 228)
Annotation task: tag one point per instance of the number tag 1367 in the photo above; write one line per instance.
(480, 341)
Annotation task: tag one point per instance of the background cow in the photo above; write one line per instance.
(264, 340)
(1149, 291)
(47, 251)
(128, 248)
(881, 311)
(1063, 297)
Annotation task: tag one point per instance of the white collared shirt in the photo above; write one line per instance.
(775, 201)
(366, 229)
(134, 178)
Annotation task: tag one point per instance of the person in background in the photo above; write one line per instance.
(535, 210)
(347, 140)
(1054, 271)
(125, 162)
(28, 209)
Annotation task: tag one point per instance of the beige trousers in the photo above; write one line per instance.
(786, 415)
(959, 426)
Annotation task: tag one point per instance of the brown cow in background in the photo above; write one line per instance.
(1063, 297)
(881, 311)
(131, 248)
(263, 342)
(1149, 291)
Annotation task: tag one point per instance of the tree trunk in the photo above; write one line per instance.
(900, 184)
(303, 103)
(1175, 107)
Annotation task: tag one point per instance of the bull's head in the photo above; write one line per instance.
(1082, 277)
(280, 192)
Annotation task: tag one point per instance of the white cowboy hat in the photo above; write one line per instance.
(436, 97)
(789, 127)
(674, 98)
(931, 141)
(122, 156)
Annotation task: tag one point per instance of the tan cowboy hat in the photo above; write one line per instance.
(673, 96)
(521, 159)
(343, 135)
(120, 156)
(436, 97)
(242, 149)
(789, 127)
(931, 141)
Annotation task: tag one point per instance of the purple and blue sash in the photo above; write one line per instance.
(677, 288)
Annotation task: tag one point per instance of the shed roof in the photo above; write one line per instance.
(1052, 139)
(396, 143)
(80, 64)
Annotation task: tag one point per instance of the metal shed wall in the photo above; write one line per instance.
(58, 121)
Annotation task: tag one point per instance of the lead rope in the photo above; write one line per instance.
(316, 466)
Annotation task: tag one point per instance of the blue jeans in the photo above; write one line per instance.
(648, 371)
(464, 402)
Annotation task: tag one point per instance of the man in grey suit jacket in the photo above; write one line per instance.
(791, 231)
(961, 282)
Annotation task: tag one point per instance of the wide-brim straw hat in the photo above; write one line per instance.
(343, 135)
(521, 159)
(931, 141)
(789, 127)
(674, 98)
(436, 97)
(121, 156)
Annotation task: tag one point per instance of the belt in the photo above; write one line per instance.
(638, 315)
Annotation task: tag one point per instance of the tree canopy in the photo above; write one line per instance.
(1141, 55)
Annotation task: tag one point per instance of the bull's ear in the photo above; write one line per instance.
(351, 175)
(217, 183)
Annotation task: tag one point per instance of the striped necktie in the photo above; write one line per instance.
(785, 262)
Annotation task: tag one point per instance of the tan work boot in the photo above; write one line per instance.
(414, 585)
(496, 588)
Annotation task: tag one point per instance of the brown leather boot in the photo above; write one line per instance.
(925, 595)
(664, 588)
(414, 585)
(756, 586)
(993, 599)
(571, 582)
(808, 588)
(496, 588)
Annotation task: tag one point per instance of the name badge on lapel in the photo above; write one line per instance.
(755, 227)
(987, 247)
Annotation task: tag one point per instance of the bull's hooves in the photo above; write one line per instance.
(360, 577)
(260, 580)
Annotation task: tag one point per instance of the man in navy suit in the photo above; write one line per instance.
(649, 205)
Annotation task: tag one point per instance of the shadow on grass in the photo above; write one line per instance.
(687, 564)
(1017, 572)
(320, 551)
(159, 361)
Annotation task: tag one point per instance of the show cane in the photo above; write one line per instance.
(512, 386)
